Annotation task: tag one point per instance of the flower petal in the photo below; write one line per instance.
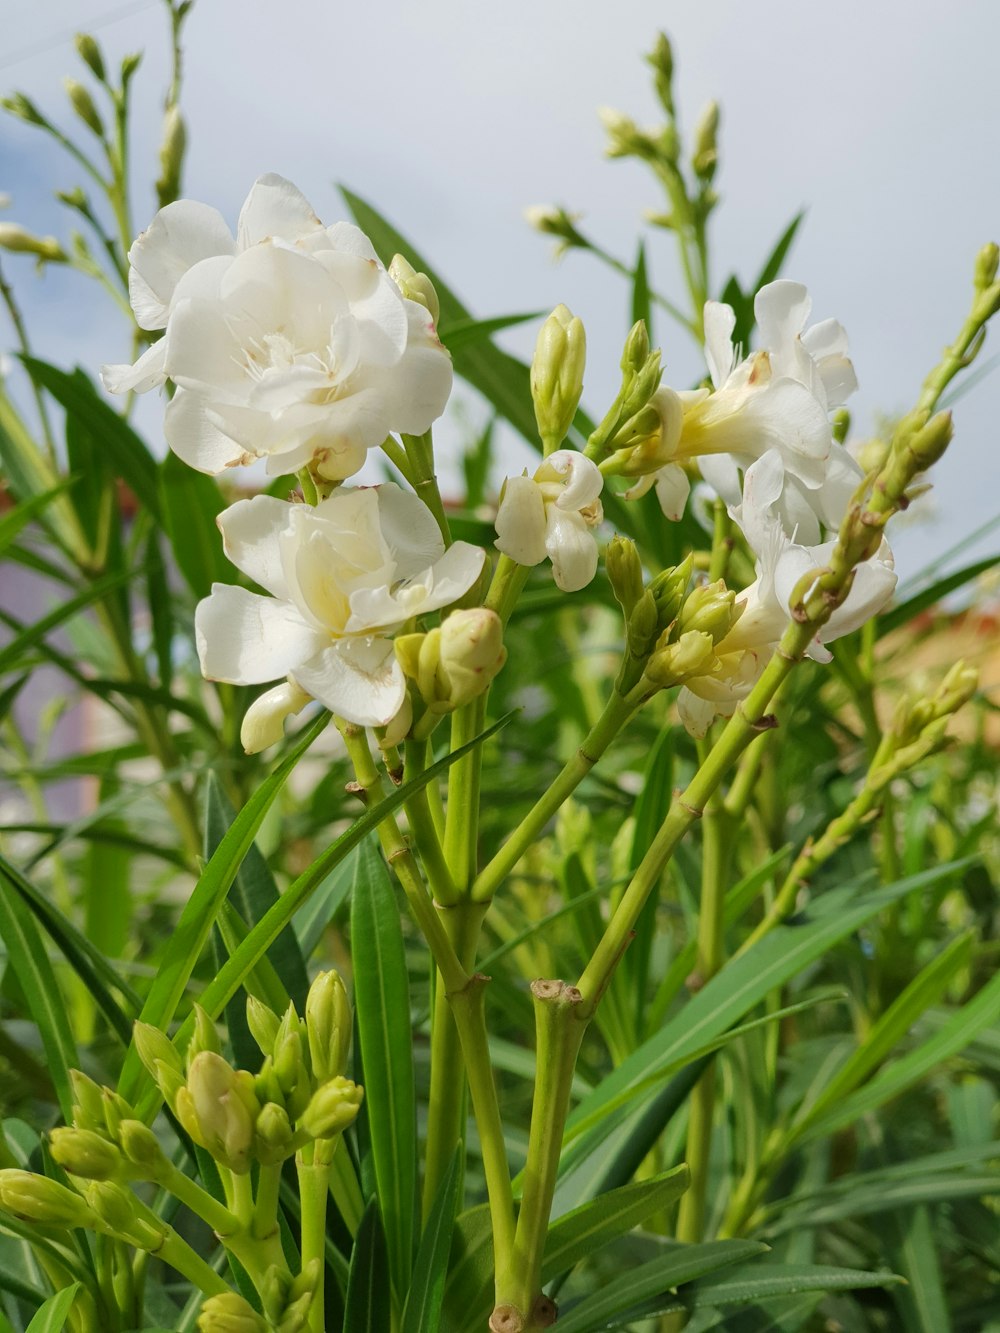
(583, 478)
(146, 373)
(409, 529)
(275, 208)
(571, 546)
(250, 532)
(179, 237)
(720, 323)
(672, 490)
(358, 679)
(782, 309)
(191, 432)
(440, 585)
(247, 639)
(520, 522)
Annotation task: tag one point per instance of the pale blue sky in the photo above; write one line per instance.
(451, 117)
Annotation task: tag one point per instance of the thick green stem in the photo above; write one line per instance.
(314, 1178)
(345, 1190)
(265, 1213)
(420, 456)
(179, 1255)
(461, 829)
(423, 827)
(446, 1103)
(202, 1204)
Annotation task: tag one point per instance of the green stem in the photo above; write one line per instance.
(461, 829)
(420, 456)
(617, 712)
(265, 1213)
(179, 1255)
(423, 828)
(202, 1204)
(314, 1178)
(446, 1101)
(345, 1190)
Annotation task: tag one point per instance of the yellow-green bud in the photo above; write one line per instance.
(88, 1102)
(24, 108)
(841, 424)
(415, 286)
(90, 54)
(669, 589)
(643, 626)
(224, 1107)
(331, 1109)
(289, 1048)
(705, 150)
(552, 220)
(263, 1024)
(557, 375)
(116, 1109)
(141, 1147)
(987, 262)
(82, 1152)
(18, 240)
(117, 1208)
(692, 655)
(230, 1313)
(408, 653)
(621, 559)
(296, 1314)
(34, 1198)
(155, 1047)
(274, 1289)
(399, 725)
(472, 652)
(172, 149)
(129, 65)
(709, 609)
(661, 59)
(642, 388)
(274, 1137)
(635, 353)
(205, 1036)
(83, 104)
(929, 444)
(328, 1026)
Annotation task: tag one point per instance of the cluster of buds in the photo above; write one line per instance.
(920, 720)
(629, 434)
(286, 1301)
(450, 665)
(553, 220)
(557, 376)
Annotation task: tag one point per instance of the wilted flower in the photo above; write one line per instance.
(553, 514)
(290, 342)
(343, 577)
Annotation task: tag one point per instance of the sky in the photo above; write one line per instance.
(452, 117)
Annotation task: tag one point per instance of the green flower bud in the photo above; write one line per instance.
(552, 220)
(222, 1110)
(155, 1047)
(263, 1024)
(205, 1036)
(129, 66)
(692, 655)
(621, 559)
(987, 262)
(88, 1102)
(24, 108)
(669, 589)
(841, 423)
(230, 1313)
(328, 1026)
(172, 149)
(90, 53)
(709, 609)
(932, 440)
(274, 1290)
(117, 1208)
(274, 1137)
(18, 240)
(82, 1152)
(415, 286)
(635, 353)
(141, 1147)
(557, 375)
(645, 384)
(296, 1314)
(116, 1109)
(331, 1109)
(83, 104)
(472, 653)
(705, 151)
(32, 1198)
(643, 626)
(661, 59)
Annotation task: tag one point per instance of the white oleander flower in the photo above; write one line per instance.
(553, 514)
(778, 398)
(342, 578)
(290, 342)
(783, 565)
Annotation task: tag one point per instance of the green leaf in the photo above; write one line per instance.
(641, 303)
(422, 1313)
(22, 514)
(776, 259)
(755, 1282)
(34, 633)
(51, 1318)
(192, 930)
(29, 474)
(466, 331)
(611, 1306)
(46, 1005)
(382, 1011)
(191, 503)
(369, 1306)
(126, 451)
(912, 1247)
(317, 914)
(928, 597)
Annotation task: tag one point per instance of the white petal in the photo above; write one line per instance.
(785, 415)
(874, 583)
(782, 309)
(571, 546)
(409, 529)
(179, 237)
(672, 490)
(250, 531)
(145, 374)
(201, 348)
(191, 432)
(264, 720)
(358, 679)
(794, 565)
(351, 240)
(445, 582)
(723, 475)
(247, 639)
(583, 478)
(838, 379)
(720, 322)
(418, 387)
(521, 522)
(274, 208)
(696, 714)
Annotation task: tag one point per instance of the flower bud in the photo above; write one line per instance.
(230, 1313)
(705, 149)
(82, 1152)
(399, 725)
(328, 1026)
(643, 626)
(552, 220)
(289, 1047)
(117, 1209)
(415, 286)
(32, 1198)
(274, 1138)
(90, 53)
(172, 149)
(24, 108)
(840, 423)
(274, 1290)
(83, 104)
(18, 240)
(557, 375)
(644, 386)
(331, 1109)
(296, 1314)
(205, 1036)
(661, 59)
(987, 262)
(154, 1047)
(88, 1102)
(635, 353)
(929, 444)
(222, 1110)
(472, 652)
(709, 609)
(129, 65)
(141, 1147)
(263, 1024)
(621, 559)
(116, 1109)
(692, 655)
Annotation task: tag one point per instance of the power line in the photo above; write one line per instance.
(50, 43)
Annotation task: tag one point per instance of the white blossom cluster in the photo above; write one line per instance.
(290, 342)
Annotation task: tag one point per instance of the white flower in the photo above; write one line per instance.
(289, 342)
(783, 565)
(343, 576)
(778, 398)
(553, 514)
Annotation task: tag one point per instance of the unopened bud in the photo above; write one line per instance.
(141, 1147)
(172, 149)
(32, 1198)
(472, 652)
(840, 423)
(296, 1314)
(205, 1036)
(661, 59)
(84, 1153)
(642, 627)
(669, 589)
(709, 609)
(223, 1110)
(557, 375)
(636, 350)
(328, 1024)
(399, 725)
(929, 444)
(18, 240)
(90, 54)
(83, 104)
(621, 559)
(705, 150)
(332, 1108)
(230, 1313)
(24, 108)
(88, 1101)
(263, 1024)
(264, 720)
(551, 220)
(129, 65)
(645, 385)
(692, 655)
(153, 1046)
(114, 1205)
(415, 286)
(274, 1136)
(116, 1109)
(987, 262)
